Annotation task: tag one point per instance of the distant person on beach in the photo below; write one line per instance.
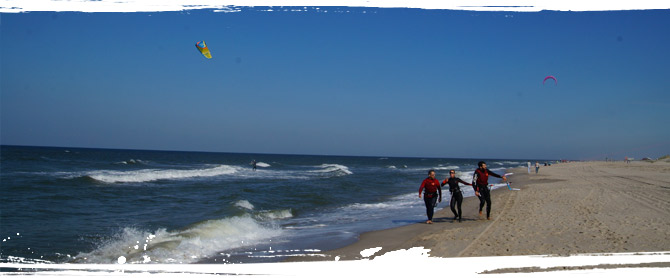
(528, 167)
(456, 195)
(253, 164)
(433, 194)
(482, 189)
(537, 167)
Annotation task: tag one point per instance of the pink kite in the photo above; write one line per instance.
(550, 77)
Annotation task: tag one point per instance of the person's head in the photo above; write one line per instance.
(482, 164)
(452, 173)
(431, 173)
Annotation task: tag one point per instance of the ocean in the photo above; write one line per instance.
(73, 205)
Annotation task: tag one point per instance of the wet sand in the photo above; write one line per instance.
(570, 208)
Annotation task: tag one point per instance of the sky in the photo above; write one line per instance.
(341, 81)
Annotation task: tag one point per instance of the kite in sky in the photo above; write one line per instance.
(550, 77)
(202, 47)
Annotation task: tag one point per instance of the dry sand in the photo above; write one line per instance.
(570, 208)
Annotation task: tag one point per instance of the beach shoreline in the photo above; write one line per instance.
(565, 209)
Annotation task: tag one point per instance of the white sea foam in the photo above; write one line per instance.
(201, 240)
(446, 168)
(370, 206)
(22, 260)
(340, 170)
(513, 162)
(306, 226)
(234, 172)
(275, 214)
(267, 214)
(465, 176)
(148, 175)
(244, 204)
(498, 169)
(397, 202)
(262, 164)
(132, 161)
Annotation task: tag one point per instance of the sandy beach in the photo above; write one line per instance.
(569, 208)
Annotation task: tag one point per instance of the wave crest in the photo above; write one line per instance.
(275, 214)
(339, 170)
(441, 167)
(131, 161)
(149, 175)
(244, 204)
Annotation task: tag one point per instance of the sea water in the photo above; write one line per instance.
(71, 205)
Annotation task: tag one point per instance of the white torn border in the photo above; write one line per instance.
(369, 252)
(400, 263)
(16, 6)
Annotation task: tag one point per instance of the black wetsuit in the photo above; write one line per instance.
(474, 187)
(456, 196)
(481, 178)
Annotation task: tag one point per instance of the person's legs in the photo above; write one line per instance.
(481, 201)
(459, 201)
(430, 207)
(452, 205)
(486, 194)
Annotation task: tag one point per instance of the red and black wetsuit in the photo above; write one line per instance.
(433, 191)
(481, 178)
(456, 196)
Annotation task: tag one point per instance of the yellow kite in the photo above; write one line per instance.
(202, 47)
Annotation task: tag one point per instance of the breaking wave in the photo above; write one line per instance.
(149, 175)
(192, 244)
(339, 170)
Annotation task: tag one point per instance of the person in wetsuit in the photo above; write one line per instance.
(456, 195)
(474, 187)
(432, 195)
(481, 177)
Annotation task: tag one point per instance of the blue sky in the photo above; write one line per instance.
(353, 81)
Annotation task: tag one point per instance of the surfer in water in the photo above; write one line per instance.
(433, 194)
(456, 194)
(253, 164)
(482, 190)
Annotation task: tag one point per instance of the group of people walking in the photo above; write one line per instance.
(433, 191)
